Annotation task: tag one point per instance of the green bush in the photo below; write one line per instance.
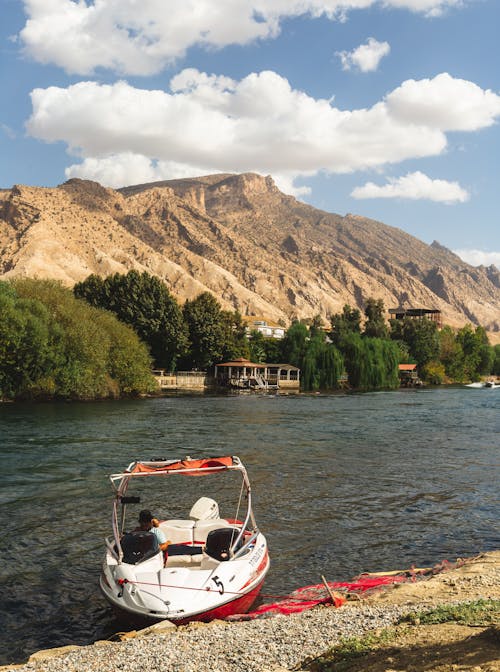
(53, 345)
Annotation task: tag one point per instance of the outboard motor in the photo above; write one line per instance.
(219, 543)
(204, 509)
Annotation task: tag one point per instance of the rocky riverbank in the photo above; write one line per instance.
(295, 642)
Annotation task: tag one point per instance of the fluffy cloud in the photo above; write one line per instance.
(414, 186)
(444, 102)
(366, 57)
(479, 258)
(216, 124)
(141, 38)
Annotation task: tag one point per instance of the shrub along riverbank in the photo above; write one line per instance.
(53, 345)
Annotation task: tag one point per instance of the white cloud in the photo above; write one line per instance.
(444, 102)
(142, 38)
(429, 8)
(479, 257)
(118, 170)
(366, 57)
(414, 186)
(216, 124)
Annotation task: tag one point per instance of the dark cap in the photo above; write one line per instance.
(145, 516)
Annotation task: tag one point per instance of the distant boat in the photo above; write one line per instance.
(490, 384)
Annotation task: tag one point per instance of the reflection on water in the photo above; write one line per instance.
(341, 484)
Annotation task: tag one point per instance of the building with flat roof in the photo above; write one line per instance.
(432, 314)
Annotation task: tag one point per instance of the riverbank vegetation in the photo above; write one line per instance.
(103, 339)
(53, 345)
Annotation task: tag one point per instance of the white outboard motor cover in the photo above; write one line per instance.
(204, 509)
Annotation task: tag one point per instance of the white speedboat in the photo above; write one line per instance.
(214, 567)
(491, 384)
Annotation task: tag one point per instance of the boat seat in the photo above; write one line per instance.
(184, 560)
(181, 555)
(138, 546)
(178, 531)
(220, 541)
(203, 527)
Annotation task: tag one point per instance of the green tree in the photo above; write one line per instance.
(257, 346)
(207, 332)
(128, 359)
(421, 337)
(375, 325)
(66, 348)
(371, 363)
(478, 356)
(495, 367)
(273, 350)
(234, 336)
(451, 354)
(486, 352)
(24, 341)
(295, 343)
(434, 372)
(345, 323)
(142, 301)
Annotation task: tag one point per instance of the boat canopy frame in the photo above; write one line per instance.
(186, 467)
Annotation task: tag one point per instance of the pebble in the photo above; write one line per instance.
(274, 644)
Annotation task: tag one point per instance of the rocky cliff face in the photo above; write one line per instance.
(239, 237)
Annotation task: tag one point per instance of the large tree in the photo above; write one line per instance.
(142, 301)
(207, 328)
(375, 325)
(477, 354)
(295, 344)
(234, 335)
(345, 323)
(421, 337)
(371, 363)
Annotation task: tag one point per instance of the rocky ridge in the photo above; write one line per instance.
(239, 237)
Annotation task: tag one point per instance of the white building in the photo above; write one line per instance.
(267, 329)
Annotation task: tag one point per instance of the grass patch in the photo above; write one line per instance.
(480, 612)
(343, 655)
(340, 656)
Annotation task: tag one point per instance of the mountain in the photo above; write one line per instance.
(239, 237)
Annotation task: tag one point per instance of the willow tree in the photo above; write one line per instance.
(320, 362)
(371, 363)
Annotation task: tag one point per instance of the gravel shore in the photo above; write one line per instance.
(278, 643)
(275, 644)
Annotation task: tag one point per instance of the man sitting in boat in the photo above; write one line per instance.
(148, 523)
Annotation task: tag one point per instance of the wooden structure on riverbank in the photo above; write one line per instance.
(246, 375)
(408, 375)
(183, 380)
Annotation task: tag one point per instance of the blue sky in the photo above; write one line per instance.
(384, 108)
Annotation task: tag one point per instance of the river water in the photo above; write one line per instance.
(342, 484)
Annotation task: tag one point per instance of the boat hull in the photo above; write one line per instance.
(239, 605)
